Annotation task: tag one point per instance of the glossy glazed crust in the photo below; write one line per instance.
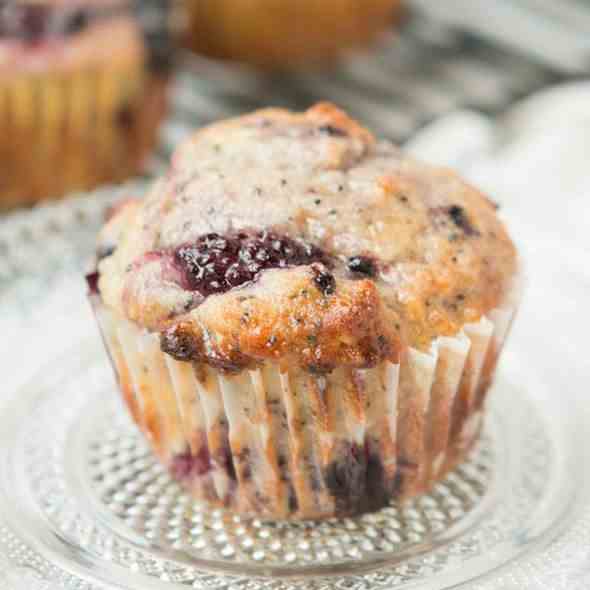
(444, 258)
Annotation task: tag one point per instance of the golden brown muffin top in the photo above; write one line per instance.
(300, 237)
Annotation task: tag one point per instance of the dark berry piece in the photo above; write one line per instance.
(346, 479)
(178, 343)
(460, 219)
(224, 460)
(76, 22)
(397, 484)
(202, 461)
(181, 466)
(215, 263)
(263, 255)
(314, 477)
(323, 279)
(378, 488)
(362, 266)
(332, 131)
(233, 276)
(456, 214)
(244, 464)
(125, 117)
(33, 23)
(246, 472)
(186, 464)
(92, 282)
(293, 502)
(357, 479)
(29, 23)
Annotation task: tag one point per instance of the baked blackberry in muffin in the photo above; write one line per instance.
(82, 92)
(303, 320)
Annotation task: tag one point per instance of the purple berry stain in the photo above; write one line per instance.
(215, 264)
(332, 131)
(92, 283)
(461, 220)
(224, 461)
(33, 23)
(357, 480)
(186, 465)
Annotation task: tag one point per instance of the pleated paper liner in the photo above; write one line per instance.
(75, 129)
(282, 443)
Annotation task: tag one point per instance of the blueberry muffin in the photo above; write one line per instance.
(81, 96)
(285, 33)
(303, 320)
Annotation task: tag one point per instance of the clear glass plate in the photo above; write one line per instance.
(83, 504)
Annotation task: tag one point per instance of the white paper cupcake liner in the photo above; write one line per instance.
(72, 129)
(281, 442)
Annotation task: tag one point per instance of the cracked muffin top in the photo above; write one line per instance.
(301, 238)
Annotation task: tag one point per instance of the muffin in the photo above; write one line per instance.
(285, 33)
(304, 322)
(81, 96)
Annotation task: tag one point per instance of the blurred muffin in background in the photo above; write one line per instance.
(81, 95)
(285, 33)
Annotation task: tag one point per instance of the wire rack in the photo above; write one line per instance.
(432, 65)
